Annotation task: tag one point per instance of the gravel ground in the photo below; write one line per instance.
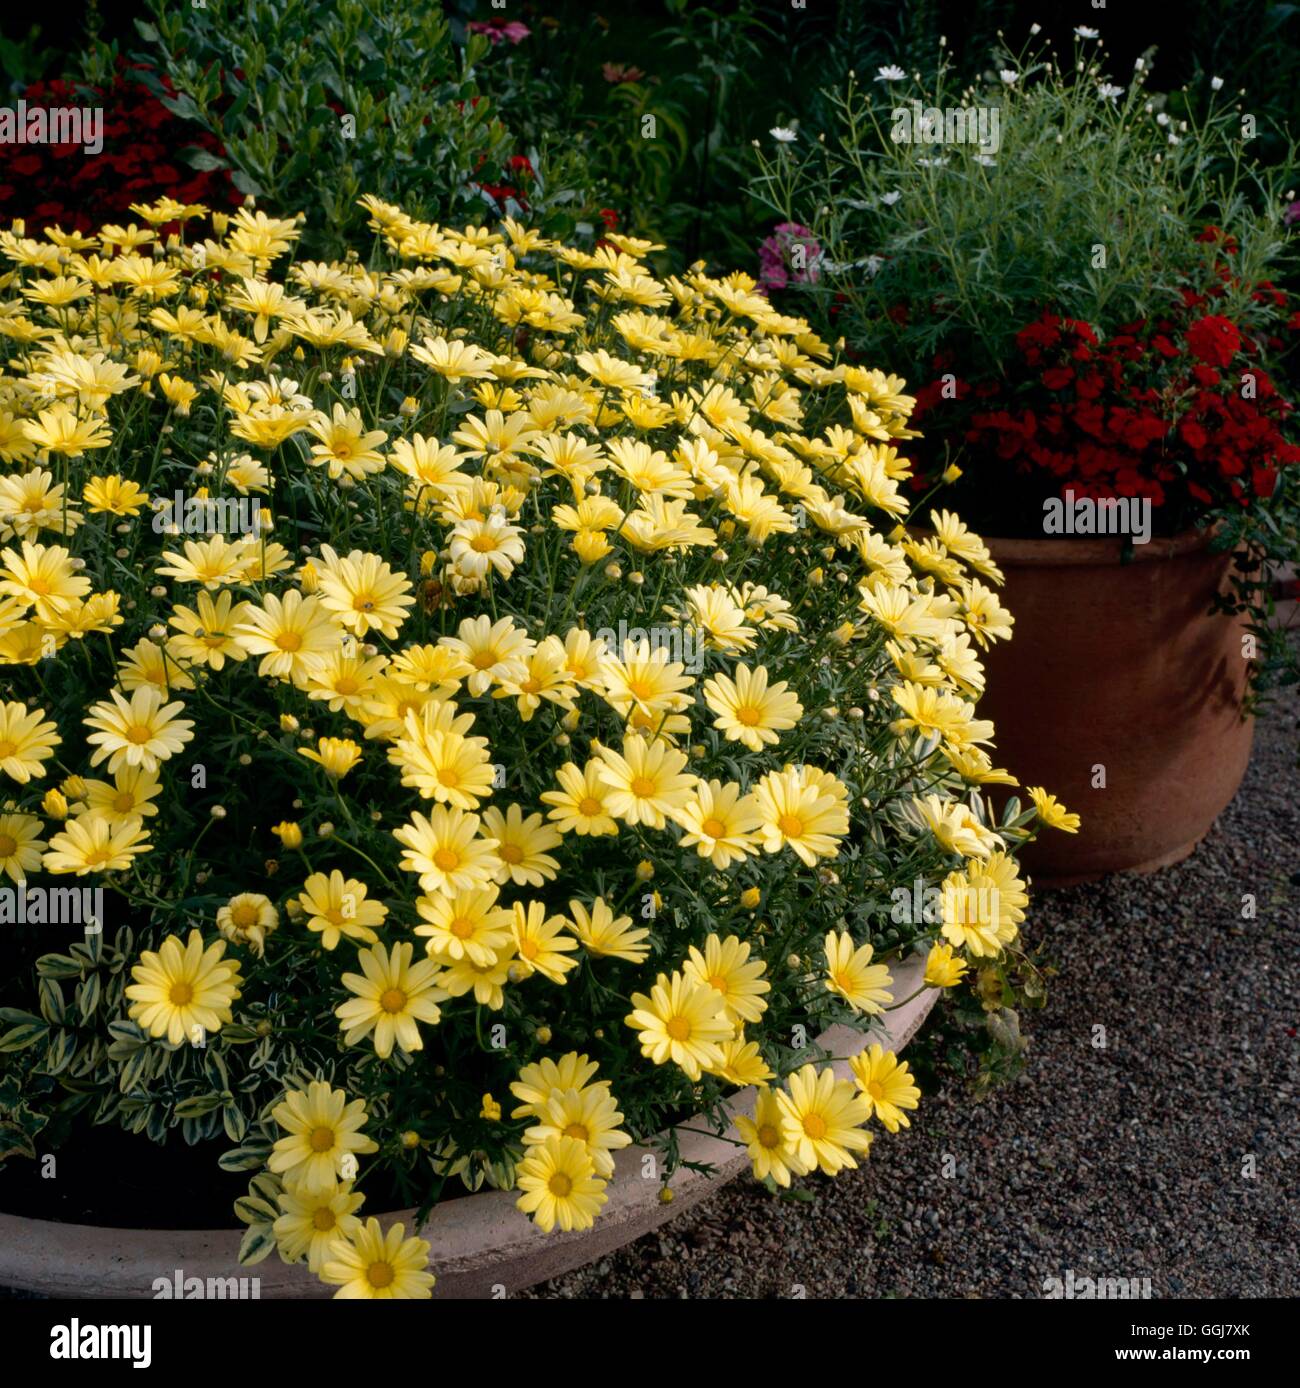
(1126, 1161)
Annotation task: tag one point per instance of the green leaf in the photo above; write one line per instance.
(268, 1186)
(246, 1158)
(58, 966)
(23, 1035)
(16, 1014)
(197, 1106)
(256, 1244)
(88, 996)
(202, 159)
(252, 1210)
(136, 1070)
(15, 1143)
(246, 184)
(62, 1049)
(234, 1122)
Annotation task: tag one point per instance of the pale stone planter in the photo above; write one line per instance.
(481, 1245)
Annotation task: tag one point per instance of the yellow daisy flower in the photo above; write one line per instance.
(183, 993)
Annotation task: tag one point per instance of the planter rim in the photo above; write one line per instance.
(475, 1242)
(1060, 551)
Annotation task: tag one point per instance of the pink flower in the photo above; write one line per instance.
(514, 32)
(791, 255)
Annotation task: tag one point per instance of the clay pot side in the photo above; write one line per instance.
(481, 1245)
(1118, 670)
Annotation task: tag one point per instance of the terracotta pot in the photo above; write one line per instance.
(1119, 666)
(481, 1245)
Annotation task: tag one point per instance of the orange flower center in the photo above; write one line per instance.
(181, 993)
(511, 853)
(322, 1139)
(790, 825)
(678, 1028)
(714, 827)
(642, 787)
(559, 1185)
(815, 1126)
(589, 806)
(748, 715)
(768, 1136)
(8, 845)
(323, 1219)
(138, 733)
(289, 641)
(445, 859)
(393, 1000)
(380, 1274)
(578, 1130)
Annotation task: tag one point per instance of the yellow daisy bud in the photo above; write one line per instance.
(55, 804)
(645, 870)
(289, 832)
(750, 898)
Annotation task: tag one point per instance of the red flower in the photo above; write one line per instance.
(1213, 340)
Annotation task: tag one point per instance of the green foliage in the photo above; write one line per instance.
(315, 103)
(1081, 202)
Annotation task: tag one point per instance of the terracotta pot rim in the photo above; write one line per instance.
(476, 1241)
(1063, 551)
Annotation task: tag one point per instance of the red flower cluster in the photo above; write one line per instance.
(518, 168)
(63, 185)
(1176, 409)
